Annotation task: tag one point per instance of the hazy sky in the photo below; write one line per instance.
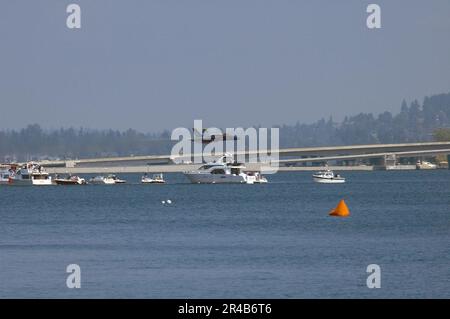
(152, 65)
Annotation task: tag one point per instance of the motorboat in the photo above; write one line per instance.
(29, 174)
(70, 180)
(5, 173)
(219, 172)
(328, 177)
(156, 179)
(259, 178)
(425, 165)
(99, 180)
(106, 180)
(116, 179)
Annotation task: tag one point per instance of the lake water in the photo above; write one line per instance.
(230, 241)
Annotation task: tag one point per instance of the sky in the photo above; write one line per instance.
(154, 65)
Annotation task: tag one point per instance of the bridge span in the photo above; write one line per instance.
(285, 155)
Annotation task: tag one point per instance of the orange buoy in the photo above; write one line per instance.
(341, 210)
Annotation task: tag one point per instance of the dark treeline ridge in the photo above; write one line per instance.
(33, 142)
(414, 123)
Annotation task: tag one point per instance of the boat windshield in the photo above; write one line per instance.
(218, 171)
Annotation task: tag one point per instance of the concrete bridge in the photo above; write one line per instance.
(286, 155)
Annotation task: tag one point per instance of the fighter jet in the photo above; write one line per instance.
(205, 137)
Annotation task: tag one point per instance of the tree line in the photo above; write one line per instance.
(33, 143)
(413, 123)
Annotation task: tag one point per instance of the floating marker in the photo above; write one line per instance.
(341, 210)
(169, 201)
(163, 202)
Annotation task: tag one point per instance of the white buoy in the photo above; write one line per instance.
(169, 201)
(163, 202)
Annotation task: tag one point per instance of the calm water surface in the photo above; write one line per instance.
(230, 241)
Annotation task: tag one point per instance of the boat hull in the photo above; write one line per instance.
(426, 166)
(152, 182)
(215, 178)
(329, 180)
(67, 182)
(104, 182)
(29, 182)
(260, 180)
(42, 182)
(398, 167)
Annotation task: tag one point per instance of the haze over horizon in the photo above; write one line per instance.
(157, 65)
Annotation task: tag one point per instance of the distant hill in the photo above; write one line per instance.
(34, 143)
(414, 123)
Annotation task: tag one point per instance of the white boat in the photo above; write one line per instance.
(156, 179)
(328, 177)
(259, 178)
(30, 174)
(116, 179)
(398, 167)
(101, 180)
(425, 165)
(70, 180)
(5, 173)
(220, 172)
(106, 180)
